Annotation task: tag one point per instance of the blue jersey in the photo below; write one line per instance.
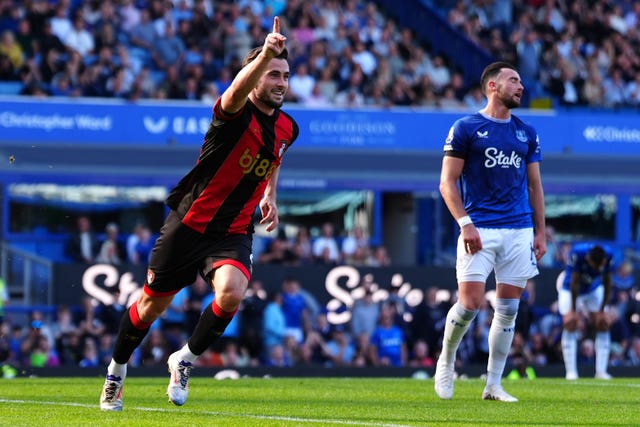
(494, 183)
(589, 277)
(389, 342)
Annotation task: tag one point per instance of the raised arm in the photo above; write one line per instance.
(234, 98)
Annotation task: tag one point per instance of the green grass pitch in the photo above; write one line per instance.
(374, 402)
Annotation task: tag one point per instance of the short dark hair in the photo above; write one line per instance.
(253, 53)
(597, 255)
(491, 71)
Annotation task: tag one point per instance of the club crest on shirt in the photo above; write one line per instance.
(150, 276)
(283, 147)
(521, 135)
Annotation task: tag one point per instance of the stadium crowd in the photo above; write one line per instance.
(289, 327)
(345, 53)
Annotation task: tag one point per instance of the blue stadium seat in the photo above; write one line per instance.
(10, 88)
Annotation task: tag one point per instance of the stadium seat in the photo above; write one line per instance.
(10, 88)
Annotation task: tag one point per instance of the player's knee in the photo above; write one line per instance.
(230, 296)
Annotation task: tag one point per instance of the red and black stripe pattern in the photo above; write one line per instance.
(240, 152)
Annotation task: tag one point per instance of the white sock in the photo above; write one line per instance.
(603, 348)
(117, 369)
(185, 354)
(458, 321)
(569, 343)
(500, 338)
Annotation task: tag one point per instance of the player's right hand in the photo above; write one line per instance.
(274, 43)
(471, 239)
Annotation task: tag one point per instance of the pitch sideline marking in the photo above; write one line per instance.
(224, 414)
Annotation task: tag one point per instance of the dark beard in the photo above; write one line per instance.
(273, 104)
(269, 102)
(510, 102)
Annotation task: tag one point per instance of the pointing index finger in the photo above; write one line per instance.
(276, 24)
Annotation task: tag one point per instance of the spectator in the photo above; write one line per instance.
(568, 86)
(251, 315)
(89, 354)
(428, 319)
(325, 247)
(524, 318)
(388, 346)
(143, 35)
(12, 49)
(326, 84)
(139, 246)
(302, 246)
(364, 58)
(25, 38)
(90, 325)
(62, 328)
(633, 354)
(474, 100)
(61, 25)
(233, 356)
(614, 89)
(274, 329)
(129, 16)
(295, 309)
(301, 83)
(632, 92)
(529, 55)
(439, 73)
(420, 357)
(168, 50)
(339, 348)
(155, 349)
(83, 244)
(379, 257)
(362, 357)
(278, 251)
(194, 305)
(79, 39)
(174, 320)
(40, 352)
(365, 312)
(355, 241)
(278, 357)
(112, 251)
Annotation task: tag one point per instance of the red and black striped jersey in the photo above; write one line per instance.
(240, 152)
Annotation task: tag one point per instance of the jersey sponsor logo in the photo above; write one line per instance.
(521, 135)
(262, 168)
(499, 158)
(484, 134)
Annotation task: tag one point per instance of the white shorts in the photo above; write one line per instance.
(590, 302)
(508, 252)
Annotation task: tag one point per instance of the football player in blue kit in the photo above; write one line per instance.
(585, 284)
(490, 181)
